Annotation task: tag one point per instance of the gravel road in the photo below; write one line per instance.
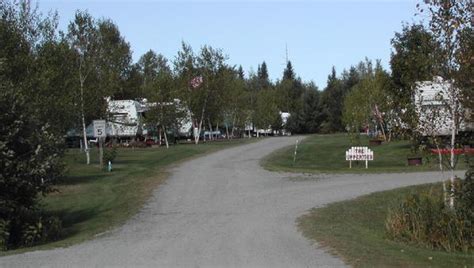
(222, 210)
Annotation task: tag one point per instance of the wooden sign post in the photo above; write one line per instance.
(359, 154)
(99, 133)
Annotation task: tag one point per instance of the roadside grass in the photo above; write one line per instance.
(355, 231)
(90, 201)
(326, 154)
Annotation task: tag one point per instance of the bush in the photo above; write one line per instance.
(30, 227)
(424, 219)
(30, 165)
(110, 154)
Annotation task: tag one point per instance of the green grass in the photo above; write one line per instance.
(326, 154)
(91, 201)
(355, 231)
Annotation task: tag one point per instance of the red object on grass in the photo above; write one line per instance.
(456, 151)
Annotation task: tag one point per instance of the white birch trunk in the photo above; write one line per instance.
(159, 136)
(166, 138)
(210, 130)
(453, 140)
(233, 127)
(227, 131)
(84, 132)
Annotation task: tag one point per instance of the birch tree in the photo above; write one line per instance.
(165, 111)
(447, 20)
(198, 79)
(82, 36)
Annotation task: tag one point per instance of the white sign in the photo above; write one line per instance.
(359, 154)
(99, 128)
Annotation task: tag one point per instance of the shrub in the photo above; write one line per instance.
(110, 154)
(424, 219)
(30, 165)
(4, 226)
(29, 228)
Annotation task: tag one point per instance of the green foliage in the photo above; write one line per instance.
(30, 157)
(266, 109)
(33, 75)
(307, 117)
(367, 96)
(331, 101)
(114, 58)
(4, 234)
(425, 219)
(31, 227)
(355, 230)
(262, 74)
(289, 73)
(110, 154)
(415, 58)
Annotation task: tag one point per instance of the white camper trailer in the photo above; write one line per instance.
(125, 118)
(434, 108)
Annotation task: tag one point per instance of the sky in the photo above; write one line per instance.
(315, 35)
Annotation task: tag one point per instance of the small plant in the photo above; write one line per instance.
(4, 234)
(426, 220)
(30, 227)
(110, 154)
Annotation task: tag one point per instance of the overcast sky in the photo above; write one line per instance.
(318, 34)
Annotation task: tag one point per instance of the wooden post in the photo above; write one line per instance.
(101, 152)
(296, 150)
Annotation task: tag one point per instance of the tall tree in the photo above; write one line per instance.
(288, 73)
(82, 35)
(241, 72)
(266, 109)
(331, 99)
(367, 105)
(113, 59)
(262, 74)
(30, 150)
(414, 58)
(165, 111)
(448, 20)
(55, 95)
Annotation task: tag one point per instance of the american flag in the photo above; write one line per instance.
(196, 82)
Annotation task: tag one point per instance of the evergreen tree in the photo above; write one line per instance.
(288, 73)
(262, 74)
(241, 72)
(332, 104)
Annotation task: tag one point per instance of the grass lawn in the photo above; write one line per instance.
(355, 231)
(326, 153)
(91, 201)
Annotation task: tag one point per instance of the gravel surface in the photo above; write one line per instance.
(222, 210)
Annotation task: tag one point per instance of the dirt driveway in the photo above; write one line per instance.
(222, 210)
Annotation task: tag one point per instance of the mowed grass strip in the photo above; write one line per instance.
(91, 201)
(355, 231)
(327, 154)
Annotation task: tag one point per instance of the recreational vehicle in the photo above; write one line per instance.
(435, 108)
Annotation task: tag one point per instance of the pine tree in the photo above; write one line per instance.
(263, 73)
(241, 72)
(288, 73)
